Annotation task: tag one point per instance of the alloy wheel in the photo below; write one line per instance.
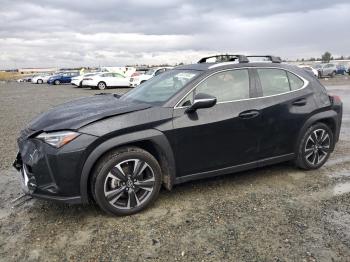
(317, 147)
(129, 184)
(101, 85)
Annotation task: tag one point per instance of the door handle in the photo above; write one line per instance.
(249, 114)
(299, 102)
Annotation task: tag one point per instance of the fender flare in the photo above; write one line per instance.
(152, 135)
(329, 115)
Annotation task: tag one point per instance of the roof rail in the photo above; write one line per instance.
(225, 58)
(273, 59)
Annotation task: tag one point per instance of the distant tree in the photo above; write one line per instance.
(302, 60)
(326, 57)
(341, 57)
(312, 59)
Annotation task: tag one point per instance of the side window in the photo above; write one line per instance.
(107, 75)
(117, 75)
(295, 82)
(273, 81)
(226, 86)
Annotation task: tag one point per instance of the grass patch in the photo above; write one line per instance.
(9, 76)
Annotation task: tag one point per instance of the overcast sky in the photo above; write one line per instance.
(110, 32)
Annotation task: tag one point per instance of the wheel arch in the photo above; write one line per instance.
(328, 118)
(152, 141)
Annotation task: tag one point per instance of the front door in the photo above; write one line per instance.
(221, 136)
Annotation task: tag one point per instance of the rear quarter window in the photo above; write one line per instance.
(295, 81)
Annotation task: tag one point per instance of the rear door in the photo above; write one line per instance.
(221, 136)
(284, 105)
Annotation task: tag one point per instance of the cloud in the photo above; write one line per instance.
(73, 33)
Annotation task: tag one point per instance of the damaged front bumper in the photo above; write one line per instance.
(28, 183)
(51, 173)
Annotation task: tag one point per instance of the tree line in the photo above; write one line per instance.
(325, 58)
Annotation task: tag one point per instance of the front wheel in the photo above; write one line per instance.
(57, 82)
(126, 181)
(315, 147)
(39, 81)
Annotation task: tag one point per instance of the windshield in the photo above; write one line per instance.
(161, 88)
(150, 72)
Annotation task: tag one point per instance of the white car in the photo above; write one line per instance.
(105, 80)
(310, 69)
(40, 79)
(137, 80)
(78, 80)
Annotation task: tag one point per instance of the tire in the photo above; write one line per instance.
(315, 147)
(101, 85)
(39, 81)
(142, 82)
(120, 193)
(333, 74)
(80, 84)
(57, 82)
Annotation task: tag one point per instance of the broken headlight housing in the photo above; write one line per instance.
(58, 139)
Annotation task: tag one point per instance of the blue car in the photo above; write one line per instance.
(341, 70)
(62, 78)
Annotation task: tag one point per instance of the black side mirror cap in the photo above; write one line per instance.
(201, 100)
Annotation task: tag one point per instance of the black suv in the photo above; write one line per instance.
(192, 122)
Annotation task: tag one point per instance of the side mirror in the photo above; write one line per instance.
(201, 100)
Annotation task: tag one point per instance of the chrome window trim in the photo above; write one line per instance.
(306, 82)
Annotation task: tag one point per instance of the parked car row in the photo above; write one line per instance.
(327, 70)
(99, 80)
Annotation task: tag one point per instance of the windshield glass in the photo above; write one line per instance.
(159, 89)
(150, 72)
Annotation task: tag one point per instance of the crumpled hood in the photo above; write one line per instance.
(80, 112)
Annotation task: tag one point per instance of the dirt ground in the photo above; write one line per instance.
(276, 213)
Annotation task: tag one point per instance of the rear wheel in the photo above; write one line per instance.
(39, 81)
(101, 85)
(126, 181)
(315, 147)
(57, 82)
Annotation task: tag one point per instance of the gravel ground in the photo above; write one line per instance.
(276, 213)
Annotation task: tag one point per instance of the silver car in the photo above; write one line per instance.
(325, 70)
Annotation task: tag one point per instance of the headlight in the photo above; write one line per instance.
(58, 139)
